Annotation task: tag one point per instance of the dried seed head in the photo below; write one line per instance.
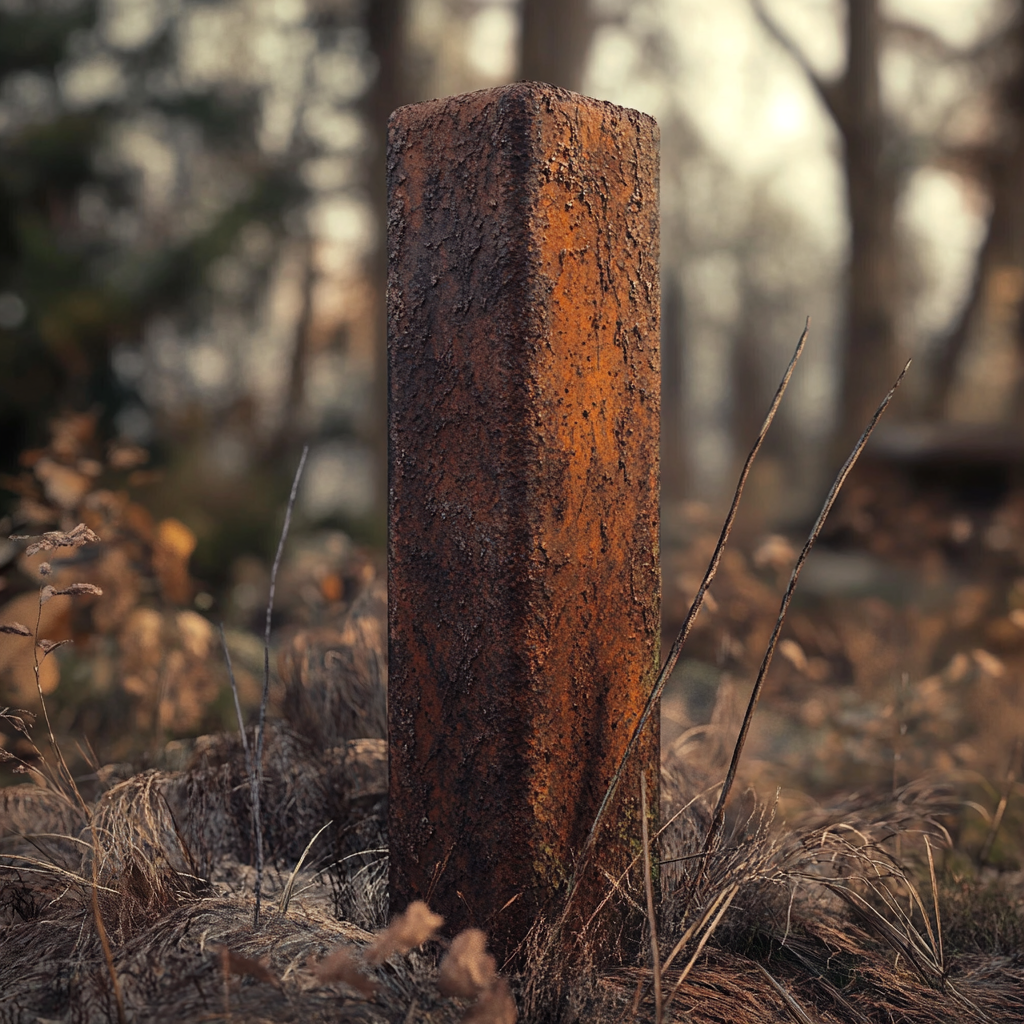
(48, 646)
(54, 539)
(80, 588)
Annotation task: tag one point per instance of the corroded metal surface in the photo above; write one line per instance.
(524, 580)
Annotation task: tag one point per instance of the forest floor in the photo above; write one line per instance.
(869, 870)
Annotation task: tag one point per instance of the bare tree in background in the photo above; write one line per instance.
(873, 179)
(996, 300)
(554, 40)
(395, 85)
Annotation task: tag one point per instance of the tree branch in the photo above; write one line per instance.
(829, 92)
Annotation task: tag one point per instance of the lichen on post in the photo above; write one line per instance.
(523, 568)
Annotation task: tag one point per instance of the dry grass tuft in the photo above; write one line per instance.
(831, 915)
(134, 900)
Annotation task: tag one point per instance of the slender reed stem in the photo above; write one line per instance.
(1004, 799)
(684, 632)
(63, 771)
(238, 703)
(257, 775)
(101, 931)
(649, 888)
(787, 597)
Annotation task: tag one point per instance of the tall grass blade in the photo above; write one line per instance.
(649, 889)
(787, 597)
(684, 631)
(257, 785)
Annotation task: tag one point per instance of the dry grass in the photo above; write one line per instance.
(131, 898)
(830, 917)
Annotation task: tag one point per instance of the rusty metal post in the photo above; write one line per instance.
(523, 568)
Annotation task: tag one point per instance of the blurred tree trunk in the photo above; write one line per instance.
(872, 182)
(385, 23)
(673, 457)
(996, 301)
(869, 356)
(554, 40)
(387, 29)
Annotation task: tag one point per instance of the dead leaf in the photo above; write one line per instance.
(467, 968)
(495, 1006)
(172, 549)
(127, 457)
(988, 663)
(407, 931)
(64, 487)
(774, 552)
(343, 965)
(77, 589)
(794, 654)
(234, 963)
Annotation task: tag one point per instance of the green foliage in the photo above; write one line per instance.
(85, 261)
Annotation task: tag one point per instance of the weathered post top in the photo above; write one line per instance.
(523, 570)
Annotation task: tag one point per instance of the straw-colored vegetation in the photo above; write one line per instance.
(127, 880)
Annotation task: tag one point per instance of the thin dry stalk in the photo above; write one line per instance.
(286, 896)
(787, 597)
(935, 903)
(649, 889)
(101, 931)
(796, 1011)
(257, 783)
(1004, 799)
(910, 945)
(617, 883)
(712, 914)
(52, 541)
(718, 907)
(66, 777)
(684, 631)
(238, 704)
(708, 932)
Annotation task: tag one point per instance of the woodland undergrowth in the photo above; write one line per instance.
(188, 835)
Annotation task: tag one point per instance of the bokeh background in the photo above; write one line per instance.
(191, 265)
(191, 215)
